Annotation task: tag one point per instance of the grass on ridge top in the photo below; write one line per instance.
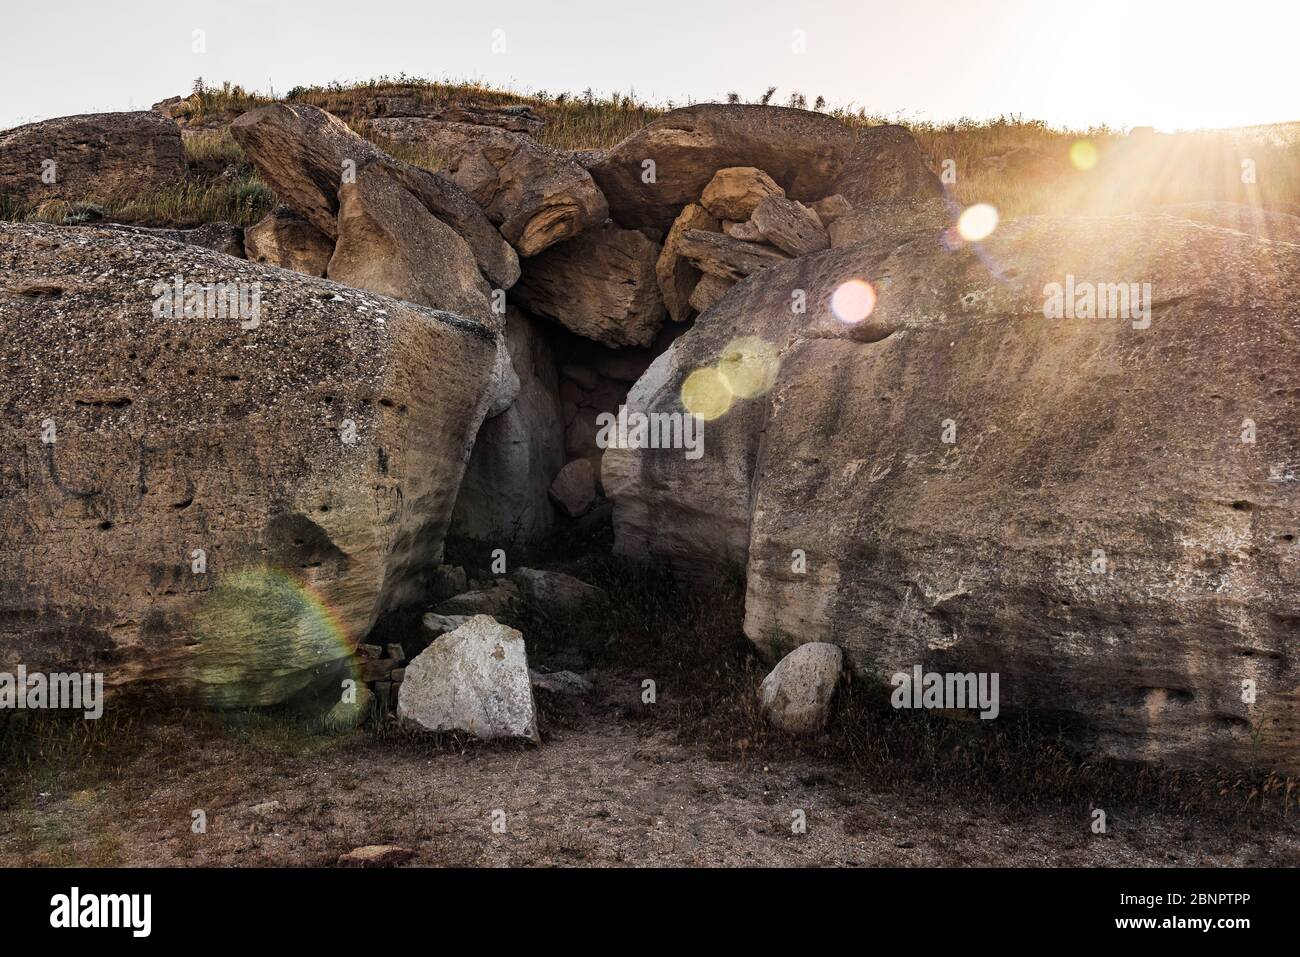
(1034, 176)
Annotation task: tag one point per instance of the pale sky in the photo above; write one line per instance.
(1165, 63)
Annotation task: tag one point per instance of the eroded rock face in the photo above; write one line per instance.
(677, 277)
(808, 154)
(790, 226)
(307, 155)
(472, 679)
(601, 285)
(389, 243)
(519, 117)
(220, 505)
(727, 258)
(1071, 441)
(519, 452)
(94, 155)
(537, 196)
(285, 239)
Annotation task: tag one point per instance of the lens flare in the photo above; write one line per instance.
(1083, 155)
(264, 638)
(853, 301)
(706, 393)
(749, 366)
(977, 222)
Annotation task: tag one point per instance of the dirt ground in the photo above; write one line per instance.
(604, 788)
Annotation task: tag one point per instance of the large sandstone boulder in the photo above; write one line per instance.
(808, 154)
(389, 243)
(518, 452)
(536, 195)
(307, 154)
(1104, 515)
(285, 239)
(95, 155)
(472, 679)
(222, 503)
(601, 285)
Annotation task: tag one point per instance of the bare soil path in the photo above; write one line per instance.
(603, 789)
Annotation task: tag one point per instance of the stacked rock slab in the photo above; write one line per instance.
(537, 196)
(221, 505)
(391, 244)
(808, 154)
(307, 155)
(601, 285)
(1068, 502)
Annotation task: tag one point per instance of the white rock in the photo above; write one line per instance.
(796, 695)
(472, 679)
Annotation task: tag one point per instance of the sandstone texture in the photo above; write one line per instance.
(389, 243)
(222, 505)
(289, 241)
(796, 695)
(537, 196)
(677, 276)
(504, 496)
(601, 285)
(807, 154)
(1067, 502)
(95, 155)
(307, 155)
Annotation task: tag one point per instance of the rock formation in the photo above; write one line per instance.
(517, 453)
(95, 155)
(307, 155)
(389, 243)
(796, 695)
(537, 196)
(222, 502)
(942, 475)
(287, 240)
(808, 154)
(601, 285)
